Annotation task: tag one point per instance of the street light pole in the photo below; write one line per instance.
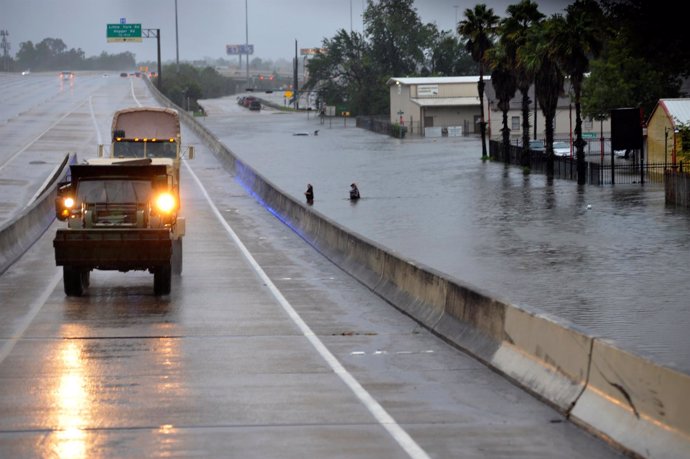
(177, 43)
(246, 38)
(350, 17)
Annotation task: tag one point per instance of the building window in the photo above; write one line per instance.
(515, 123)
(587, 124)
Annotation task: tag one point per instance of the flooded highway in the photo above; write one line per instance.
(609, 260)
(263, 349)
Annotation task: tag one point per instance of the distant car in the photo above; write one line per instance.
(537, 145)
(66, 76)
(26, 72)
(124, 75)
(255, 105)
(561, 149)
(625, 154)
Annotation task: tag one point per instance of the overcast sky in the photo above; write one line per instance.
(206, 26)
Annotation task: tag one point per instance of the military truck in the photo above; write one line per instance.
(122, 210)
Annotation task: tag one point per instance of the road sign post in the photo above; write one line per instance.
(124, 32)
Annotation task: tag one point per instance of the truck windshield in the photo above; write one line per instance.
(145, 149)
(128, 149)
(114, 191)
(161, 150)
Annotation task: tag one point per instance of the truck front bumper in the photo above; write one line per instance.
(113, 249)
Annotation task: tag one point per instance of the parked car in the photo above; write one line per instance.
(561, 149)
(124, 75)
(537, 145)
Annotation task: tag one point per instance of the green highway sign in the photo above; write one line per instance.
(123, 32)
(589, 135)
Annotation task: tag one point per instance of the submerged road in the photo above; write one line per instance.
(263, 349)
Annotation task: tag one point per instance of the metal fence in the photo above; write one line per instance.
(597, 173)
(382, 125)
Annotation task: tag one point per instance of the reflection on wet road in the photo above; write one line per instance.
(608, 259)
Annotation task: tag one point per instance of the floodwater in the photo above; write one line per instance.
(612, 261)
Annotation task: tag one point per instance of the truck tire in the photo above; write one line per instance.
(86, 278)
(162, 280)
(177, 256)
(73, 281)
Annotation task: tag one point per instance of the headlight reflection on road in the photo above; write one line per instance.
(72, 404)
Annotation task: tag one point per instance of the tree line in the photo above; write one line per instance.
(611, 54)
(53, 54)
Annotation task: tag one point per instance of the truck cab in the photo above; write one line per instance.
(122, 210)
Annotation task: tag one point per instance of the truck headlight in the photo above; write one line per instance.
(63, 207)
(165, 203)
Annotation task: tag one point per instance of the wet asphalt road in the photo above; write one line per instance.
(609, 260)
(264, 349)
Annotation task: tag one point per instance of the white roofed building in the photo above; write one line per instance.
(428, 105)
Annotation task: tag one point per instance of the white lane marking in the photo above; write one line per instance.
(131, 85)
(93, 119)
(35, 307)
(396, 352)
(380, 414)
(11, 158)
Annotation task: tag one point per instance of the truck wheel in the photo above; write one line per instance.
(177, 256)
(73, 280)
(85, 278)
(161, 280)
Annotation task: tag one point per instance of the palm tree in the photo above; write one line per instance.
(479, 28)
(504, 82)
(579, 36)
(515, 30)
(537, 57)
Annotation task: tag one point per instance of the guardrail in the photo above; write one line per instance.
(18, 235)
(635, 404)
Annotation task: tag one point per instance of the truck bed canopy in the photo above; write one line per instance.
(146, 122)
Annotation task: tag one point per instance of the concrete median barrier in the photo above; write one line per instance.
(18, 235)
(637, 405)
